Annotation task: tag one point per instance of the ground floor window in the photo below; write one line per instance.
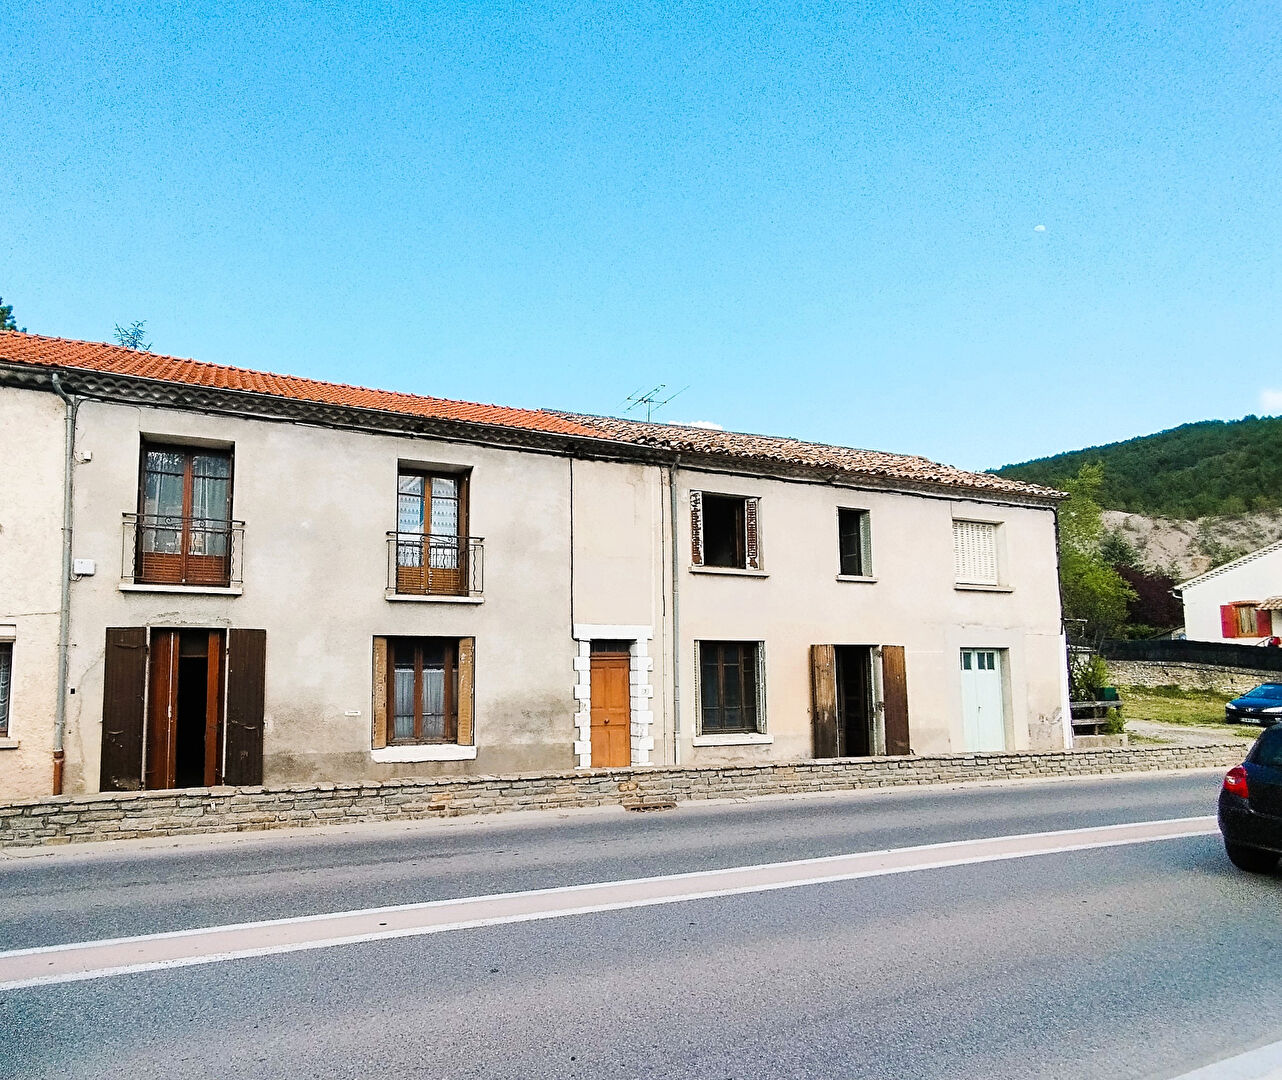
(422, 691)
(6, 684)
(729, 687)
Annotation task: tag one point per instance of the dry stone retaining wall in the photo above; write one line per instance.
(1223, 680)
(119, 815)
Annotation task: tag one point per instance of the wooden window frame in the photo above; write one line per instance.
(863, 545)
(746, 532)
(450, 703)
(422, 578)
(749, 655)
(180, 575)
(6, 701)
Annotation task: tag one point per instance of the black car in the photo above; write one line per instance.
(1263, 705)
(1251, 806)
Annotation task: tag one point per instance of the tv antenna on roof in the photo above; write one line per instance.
(650, 399)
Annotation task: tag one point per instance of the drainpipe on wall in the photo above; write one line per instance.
(676, 614)
(64, 605)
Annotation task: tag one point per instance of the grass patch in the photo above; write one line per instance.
(1172, 705)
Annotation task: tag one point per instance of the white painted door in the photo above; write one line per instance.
(983, 721)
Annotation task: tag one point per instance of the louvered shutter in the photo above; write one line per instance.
(466, 683)
(1263, 623)
(698, 692)
(1228, 620)
(865, 543)
(751, 533)
(378, 710)
(760, 650)
(975, 552)
(696, 528)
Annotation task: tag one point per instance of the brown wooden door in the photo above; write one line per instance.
(246, 684)
(162, 710)
(123, 695)
(611, 712)
(894, 691)
(823, 699)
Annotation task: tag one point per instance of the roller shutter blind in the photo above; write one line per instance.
(975, 552)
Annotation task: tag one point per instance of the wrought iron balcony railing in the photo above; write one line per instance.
(420, 564)
(162, 549)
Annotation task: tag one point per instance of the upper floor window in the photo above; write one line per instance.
(975, 557)
(184, 527)
(1245, 619)
(723, 531)
(432, 550)
(6, 685)
(854, 542)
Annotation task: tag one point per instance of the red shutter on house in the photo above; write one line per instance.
(696, 528)
(1263, 623)
(1228, 620)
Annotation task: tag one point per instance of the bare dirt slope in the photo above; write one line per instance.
(1187, 548)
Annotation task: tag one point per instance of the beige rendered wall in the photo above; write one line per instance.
(317, 504)
(31, 450)
(796, 601)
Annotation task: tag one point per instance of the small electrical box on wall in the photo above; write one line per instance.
(84, 567)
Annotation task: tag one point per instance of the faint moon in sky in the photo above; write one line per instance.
(1039, 228)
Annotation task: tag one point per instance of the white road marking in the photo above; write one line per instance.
(1262, 1064)
(80, 961)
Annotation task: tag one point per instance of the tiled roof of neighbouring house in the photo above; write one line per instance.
(61, 353)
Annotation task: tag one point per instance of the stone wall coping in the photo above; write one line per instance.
(579, 776)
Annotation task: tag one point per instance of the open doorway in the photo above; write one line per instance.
(185, 714)
(855, 714)
(859, 700)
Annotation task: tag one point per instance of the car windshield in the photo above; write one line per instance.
(1270, 690)
(1268, 749)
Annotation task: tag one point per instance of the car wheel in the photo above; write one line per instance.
(1250, 859)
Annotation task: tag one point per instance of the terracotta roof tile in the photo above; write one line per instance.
(34, 349)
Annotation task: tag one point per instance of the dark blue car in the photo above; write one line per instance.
(1251, 806)
(1263, 705)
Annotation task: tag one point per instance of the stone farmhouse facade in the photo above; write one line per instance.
(213, 576)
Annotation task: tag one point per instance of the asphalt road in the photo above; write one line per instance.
(1143, 960)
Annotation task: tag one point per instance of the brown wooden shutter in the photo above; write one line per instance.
(1263, 623)
(123, 697)
(696, 528)
(246, 678)
(466, 685)
(894, 690)
(378, 710)
(751, 546)
(823, 699)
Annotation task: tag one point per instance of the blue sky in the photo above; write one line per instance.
(821, 217)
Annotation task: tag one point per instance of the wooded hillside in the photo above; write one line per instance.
(1214, 467)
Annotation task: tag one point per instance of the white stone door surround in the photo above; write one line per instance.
(641, 692)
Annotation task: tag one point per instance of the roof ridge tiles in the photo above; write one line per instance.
(17, 347)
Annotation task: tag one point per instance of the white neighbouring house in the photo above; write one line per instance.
(1239, 602)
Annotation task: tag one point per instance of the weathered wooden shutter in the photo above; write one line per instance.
(123, 699)
(761, 687)
(823, 699)
(751, 543)
(1263, 623)
(378, 708)
(1228, 620)
(246, 679)
(466, 690)
(894, 692)
(696, 528)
